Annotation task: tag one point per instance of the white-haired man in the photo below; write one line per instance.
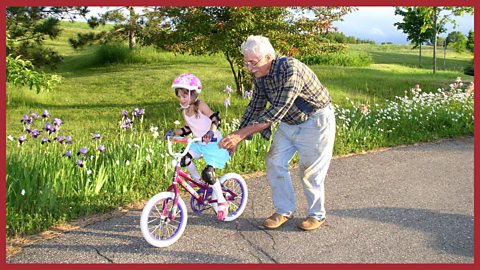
(301, 106)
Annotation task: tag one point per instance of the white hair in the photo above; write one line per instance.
(260, 46)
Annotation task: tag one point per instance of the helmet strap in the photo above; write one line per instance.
(189, 98)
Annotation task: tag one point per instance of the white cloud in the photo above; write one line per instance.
(377, 32)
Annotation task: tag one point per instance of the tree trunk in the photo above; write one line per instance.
(434, 40)
(420, 56)
(445, 55)
(237, 77)
(131, 37)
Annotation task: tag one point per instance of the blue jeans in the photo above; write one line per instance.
(313, 140)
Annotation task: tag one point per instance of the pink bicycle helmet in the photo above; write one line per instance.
(187, 81)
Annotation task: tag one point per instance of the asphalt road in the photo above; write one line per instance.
(411, 204)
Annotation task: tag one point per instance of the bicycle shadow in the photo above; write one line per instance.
(118, 240)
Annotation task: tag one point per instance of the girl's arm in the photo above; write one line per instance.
(203, 107)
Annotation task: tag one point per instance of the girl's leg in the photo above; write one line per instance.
(221, 207)
(191, 168)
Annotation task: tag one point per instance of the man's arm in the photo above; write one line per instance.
(231, 141)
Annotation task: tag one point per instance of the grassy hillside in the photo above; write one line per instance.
(91, 90)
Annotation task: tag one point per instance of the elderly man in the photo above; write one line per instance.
(302, 107)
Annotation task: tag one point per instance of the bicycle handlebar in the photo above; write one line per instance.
(185, 140)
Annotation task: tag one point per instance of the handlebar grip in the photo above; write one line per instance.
(212, 140)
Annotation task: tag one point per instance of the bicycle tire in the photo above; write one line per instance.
(158, 230)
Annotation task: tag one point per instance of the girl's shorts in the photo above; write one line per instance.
(212, 154)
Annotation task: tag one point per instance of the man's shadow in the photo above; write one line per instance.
(451, 233)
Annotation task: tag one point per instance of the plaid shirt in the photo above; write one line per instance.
(285, 82)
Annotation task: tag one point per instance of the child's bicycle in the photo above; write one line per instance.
(164, 217)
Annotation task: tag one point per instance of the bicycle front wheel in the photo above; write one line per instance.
(162, 223)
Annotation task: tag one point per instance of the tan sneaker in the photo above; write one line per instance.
(274, 221)
(311, 224)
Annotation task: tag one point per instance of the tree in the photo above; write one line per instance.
(127, 23)
(413, 20)
(457, 41)
(210, 30)
(470, 40)
(436, 17)
(28, 27)
(22, 72)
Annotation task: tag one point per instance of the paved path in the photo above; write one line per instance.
(411, 204)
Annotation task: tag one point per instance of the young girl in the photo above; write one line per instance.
(202, 122)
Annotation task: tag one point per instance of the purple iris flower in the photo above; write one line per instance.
(82, 151)
(226, 102)
(138, 111)
(26, 120)
(45, 114)
(35, 133)
(127, 123)
(27, 128)
(96, 136)
(80, 163)
(68, 154)
(125, 114)
(68, 140)
(45, 140)
(34, 116)
(59, 139)
(57, 121)
(49, 128)
(21, 139)
(101, 148)
(228, 89)
(248, 94)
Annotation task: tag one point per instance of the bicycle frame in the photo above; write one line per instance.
(183, 178)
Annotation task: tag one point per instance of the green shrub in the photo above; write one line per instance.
(112, 53)
(350, 59)
(468, 70)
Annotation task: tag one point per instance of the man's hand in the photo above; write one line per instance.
(230, 142)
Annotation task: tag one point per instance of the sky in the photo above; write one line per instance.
(376, 23)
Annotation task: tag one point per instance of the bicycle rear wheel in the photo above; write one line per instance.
(161, 224)
(235, 191)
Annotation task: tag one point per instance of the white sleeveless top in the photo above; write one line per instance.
(199, 124)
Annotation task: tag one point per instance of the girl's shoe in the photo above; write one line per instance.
(222, 210)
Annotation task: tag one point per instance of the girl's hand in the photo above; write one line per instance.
(208, 136)
(170, 133)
